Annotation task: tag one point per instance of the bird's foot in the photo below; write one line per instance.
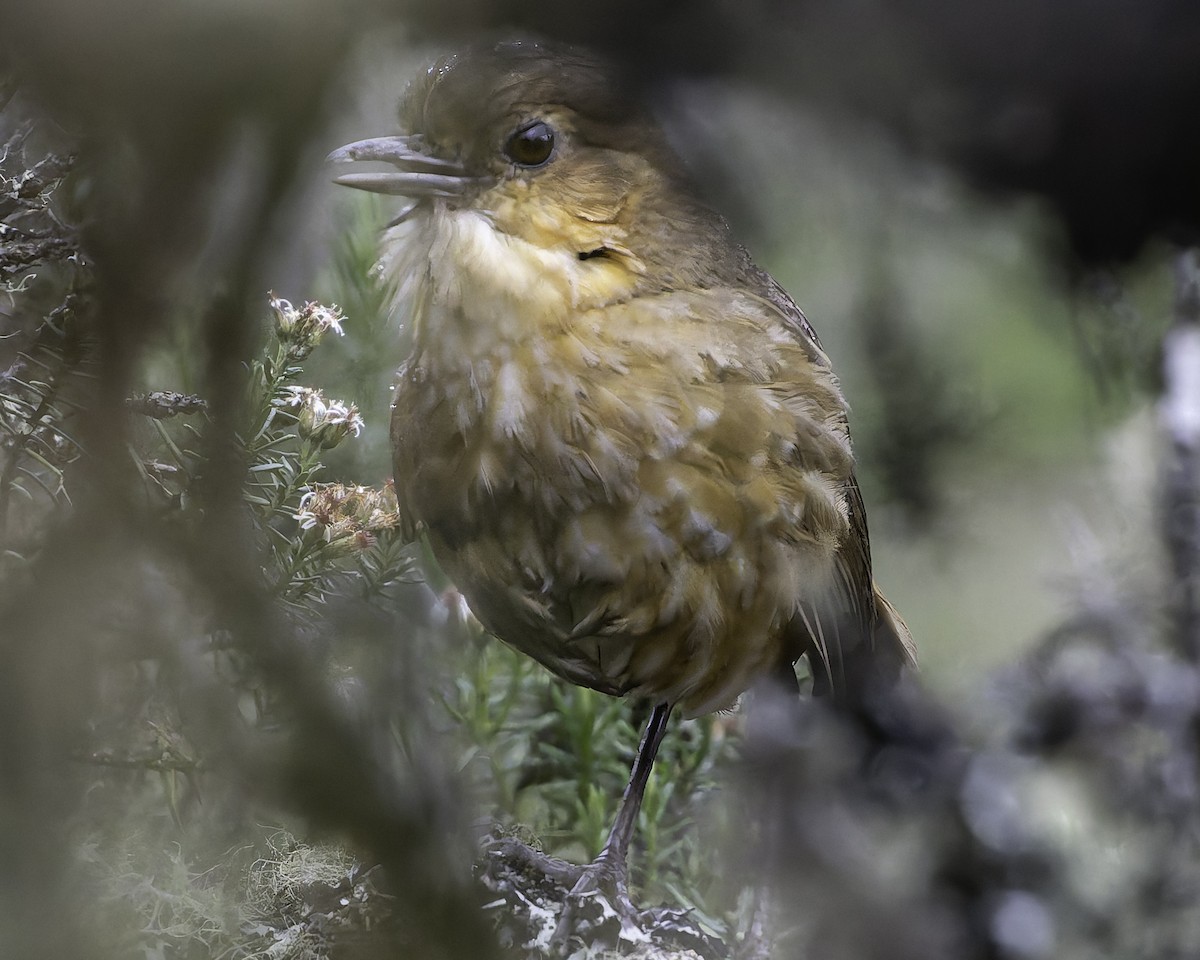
(595, 904)
(599, 907)
(554, 908)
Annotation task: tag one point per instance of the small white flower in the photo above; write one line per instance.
(307, 517)
(327, 318)
(296, 396)
(324, 423)
(346, 414)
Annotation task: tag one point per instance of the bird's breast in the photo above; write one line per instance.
(638, 493)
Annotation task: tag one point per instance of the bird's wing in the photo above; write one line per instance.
(785, 308)
(856, 632)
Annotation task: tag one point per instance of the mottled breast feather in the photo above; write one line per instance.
(644, 500)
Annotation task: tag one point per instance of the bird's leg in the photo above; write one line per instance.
(610, 871)
(616, 848)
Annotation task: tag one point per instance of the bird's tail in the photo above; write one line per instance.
(891, 636)
(850, 659)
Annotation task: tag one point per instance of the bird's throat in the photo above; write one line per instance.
(474, 288)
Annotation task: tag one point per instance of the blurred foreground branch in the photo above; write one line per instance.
(1181, 421)
(167, 621)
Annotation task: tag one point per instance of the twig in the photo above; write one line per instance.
(161, 404)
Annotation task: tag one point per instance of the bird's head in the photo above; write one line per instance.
(549, 145)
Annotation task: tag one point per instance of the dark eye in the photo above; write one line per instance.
(531, 145)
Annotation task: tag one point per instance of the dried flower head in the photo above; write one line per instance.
(302, 329)
(349, 516)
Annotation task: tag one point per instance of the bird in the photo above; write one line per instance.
(622, 439)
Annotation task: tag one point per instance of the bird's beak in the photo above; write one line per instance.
(419, 174)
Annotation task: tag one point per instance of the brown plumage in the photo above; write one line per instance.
(622, 438)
